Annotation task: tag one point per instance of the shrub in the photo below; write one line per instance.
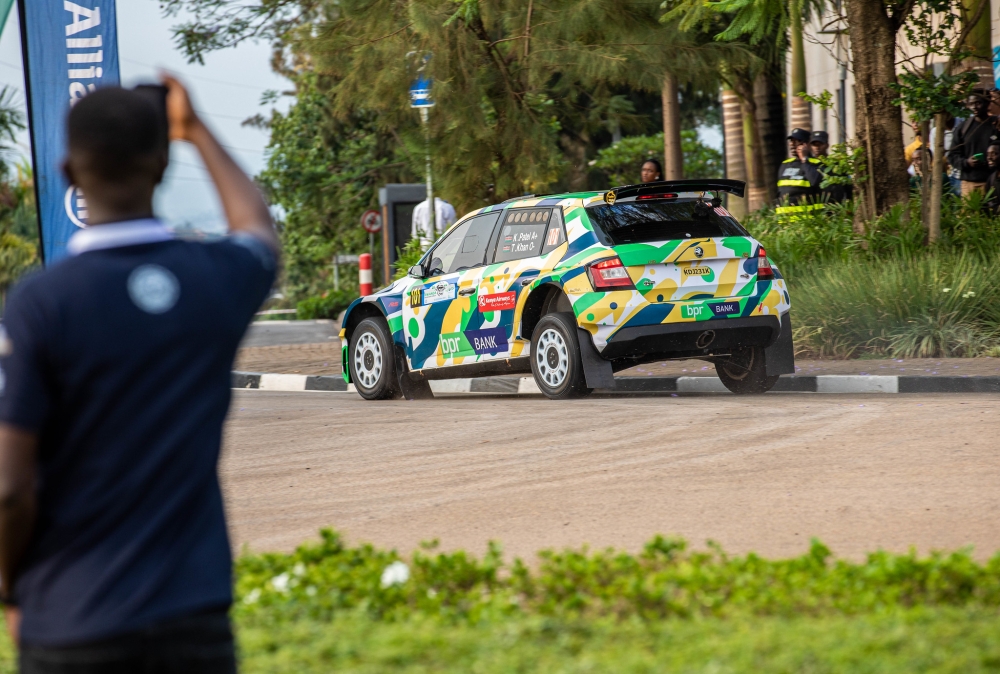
(328, 305)
(935, 305)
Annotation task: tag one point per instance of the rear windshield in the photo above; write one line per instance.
(638, 222)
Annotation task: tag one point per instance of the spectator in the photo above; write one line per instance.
(992, 183)
(969, 144)
(444, 217)
(819, 144)
(916, 171)
(954, 178)
(917, 142)
(114, 555)
(994, 95)
(650, 171)
(798, 179)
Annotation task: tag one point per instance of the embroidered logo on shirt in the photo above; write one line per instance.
(153, 289)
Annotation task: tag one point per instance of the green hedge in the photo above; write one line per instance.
(333, 607)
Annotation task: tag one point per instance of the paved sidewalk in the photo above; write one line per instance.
(324, 359)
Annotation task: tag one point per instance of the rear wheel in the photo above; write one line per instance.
(555, 358)
(371, 361)
(745, 371)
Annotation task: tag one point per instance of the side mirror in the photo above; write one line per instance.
(416, 270)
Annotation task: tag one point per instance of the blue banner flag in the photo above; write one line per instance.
(70, 49)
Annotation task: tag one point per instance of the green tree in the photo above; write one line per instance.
(621, 161)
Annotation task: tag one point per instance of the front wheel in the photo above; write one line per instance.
(371, 361)
(745, 371)
(555, 358)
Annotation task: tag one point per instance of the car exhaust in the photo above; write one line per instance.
(705, 339)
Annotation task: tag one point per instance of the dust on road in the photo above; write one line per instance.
(761, 473)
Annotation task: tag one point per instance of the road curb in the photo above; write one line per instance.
(832, 383)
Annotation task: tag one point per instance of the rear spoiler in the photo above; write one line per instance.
(734, 187)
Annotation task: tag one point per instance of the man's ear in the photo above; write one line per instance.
(67, 170)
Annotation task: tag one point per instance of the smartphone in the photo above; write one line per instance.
(157, 95)
(978, 156)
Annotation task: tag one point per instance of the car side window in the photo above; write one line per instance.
(522, 233)
(556, 236)
(465, 246)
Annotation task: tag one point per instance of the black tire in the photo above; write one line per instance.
(555, 358)
(745, 372)
(371, 361)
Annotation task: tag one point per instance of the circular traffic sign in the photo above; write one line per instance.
(371, 221)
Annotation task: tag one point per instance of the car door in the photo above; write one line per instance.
(526, 236)
(440, 321)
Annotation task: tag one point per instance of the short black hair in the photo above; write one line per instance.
(654, 162)
(115, 133)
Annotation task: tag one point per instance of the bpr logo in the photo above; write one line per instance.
(450, 345)
(688, 311)
(76, 206)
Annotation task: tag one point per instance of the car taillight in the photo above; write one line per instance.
(610, 274)
(764, 271)
(643, 197)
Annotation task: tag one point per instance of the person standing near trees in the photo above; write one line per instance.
(650, 171)
(970, 142)
(114, 554)
(819, 144)
(799, 178)
(992, 204)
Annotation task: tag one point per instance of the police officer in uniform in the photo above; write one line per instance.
(799, 178)
(819, 144)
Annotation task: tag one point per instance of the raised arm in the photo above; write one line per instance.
(245, 208)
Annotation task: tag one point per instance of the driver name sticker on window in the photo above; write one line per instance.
(442, 291)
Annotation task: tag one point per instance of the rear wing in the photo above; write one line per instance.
(734, 187)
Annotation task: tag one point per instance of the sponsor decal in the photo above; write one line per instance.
(497, 301)
(697, 271)
(488, 340)
(553, 237)
(692, 310)
(392, 304)
(454, 344)
(442, 291)
(725, 308)
(699, 251)
(610, 198)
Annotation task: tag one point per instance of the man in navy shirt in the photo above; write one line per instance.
(114, 385)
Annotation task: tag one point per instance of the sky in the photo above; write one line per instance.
(226, 91)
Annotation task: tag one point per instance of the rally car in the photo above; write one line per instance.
(575, 287)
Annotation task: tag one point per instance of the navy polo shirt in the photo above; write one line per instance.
(119, 358)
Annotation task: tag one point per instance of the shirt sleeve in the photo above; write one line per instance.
(25, 384)
(256, 265)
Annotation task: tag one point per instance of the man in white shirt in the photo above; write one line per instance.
(444, 217)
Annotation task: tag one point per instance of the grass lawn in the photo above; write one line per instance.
(943, 639)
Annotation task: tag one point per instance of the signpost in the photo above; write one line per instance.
(420, 98)
(69, 50)
(371, 220)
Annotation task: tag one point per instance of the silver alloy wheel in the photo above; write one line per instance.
(368, 360)
(552, 358)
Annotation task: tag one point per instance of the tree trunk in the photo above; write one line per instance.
(926, 179)
(757, 180)
(937, 172)
(673, 157)
(978, 43)
(771, 130)
(880, 120)
(736, 166)
(575, 149)
(801, 110)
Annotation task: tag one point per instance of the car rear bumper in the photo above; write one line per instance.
(645, 343)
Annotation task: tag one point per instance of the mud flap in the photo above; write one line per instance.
(409, 388)
(596, 370)
(779, 358)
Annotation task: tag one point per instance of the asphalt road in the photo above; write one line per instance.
(275, 333)
(758, 473)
